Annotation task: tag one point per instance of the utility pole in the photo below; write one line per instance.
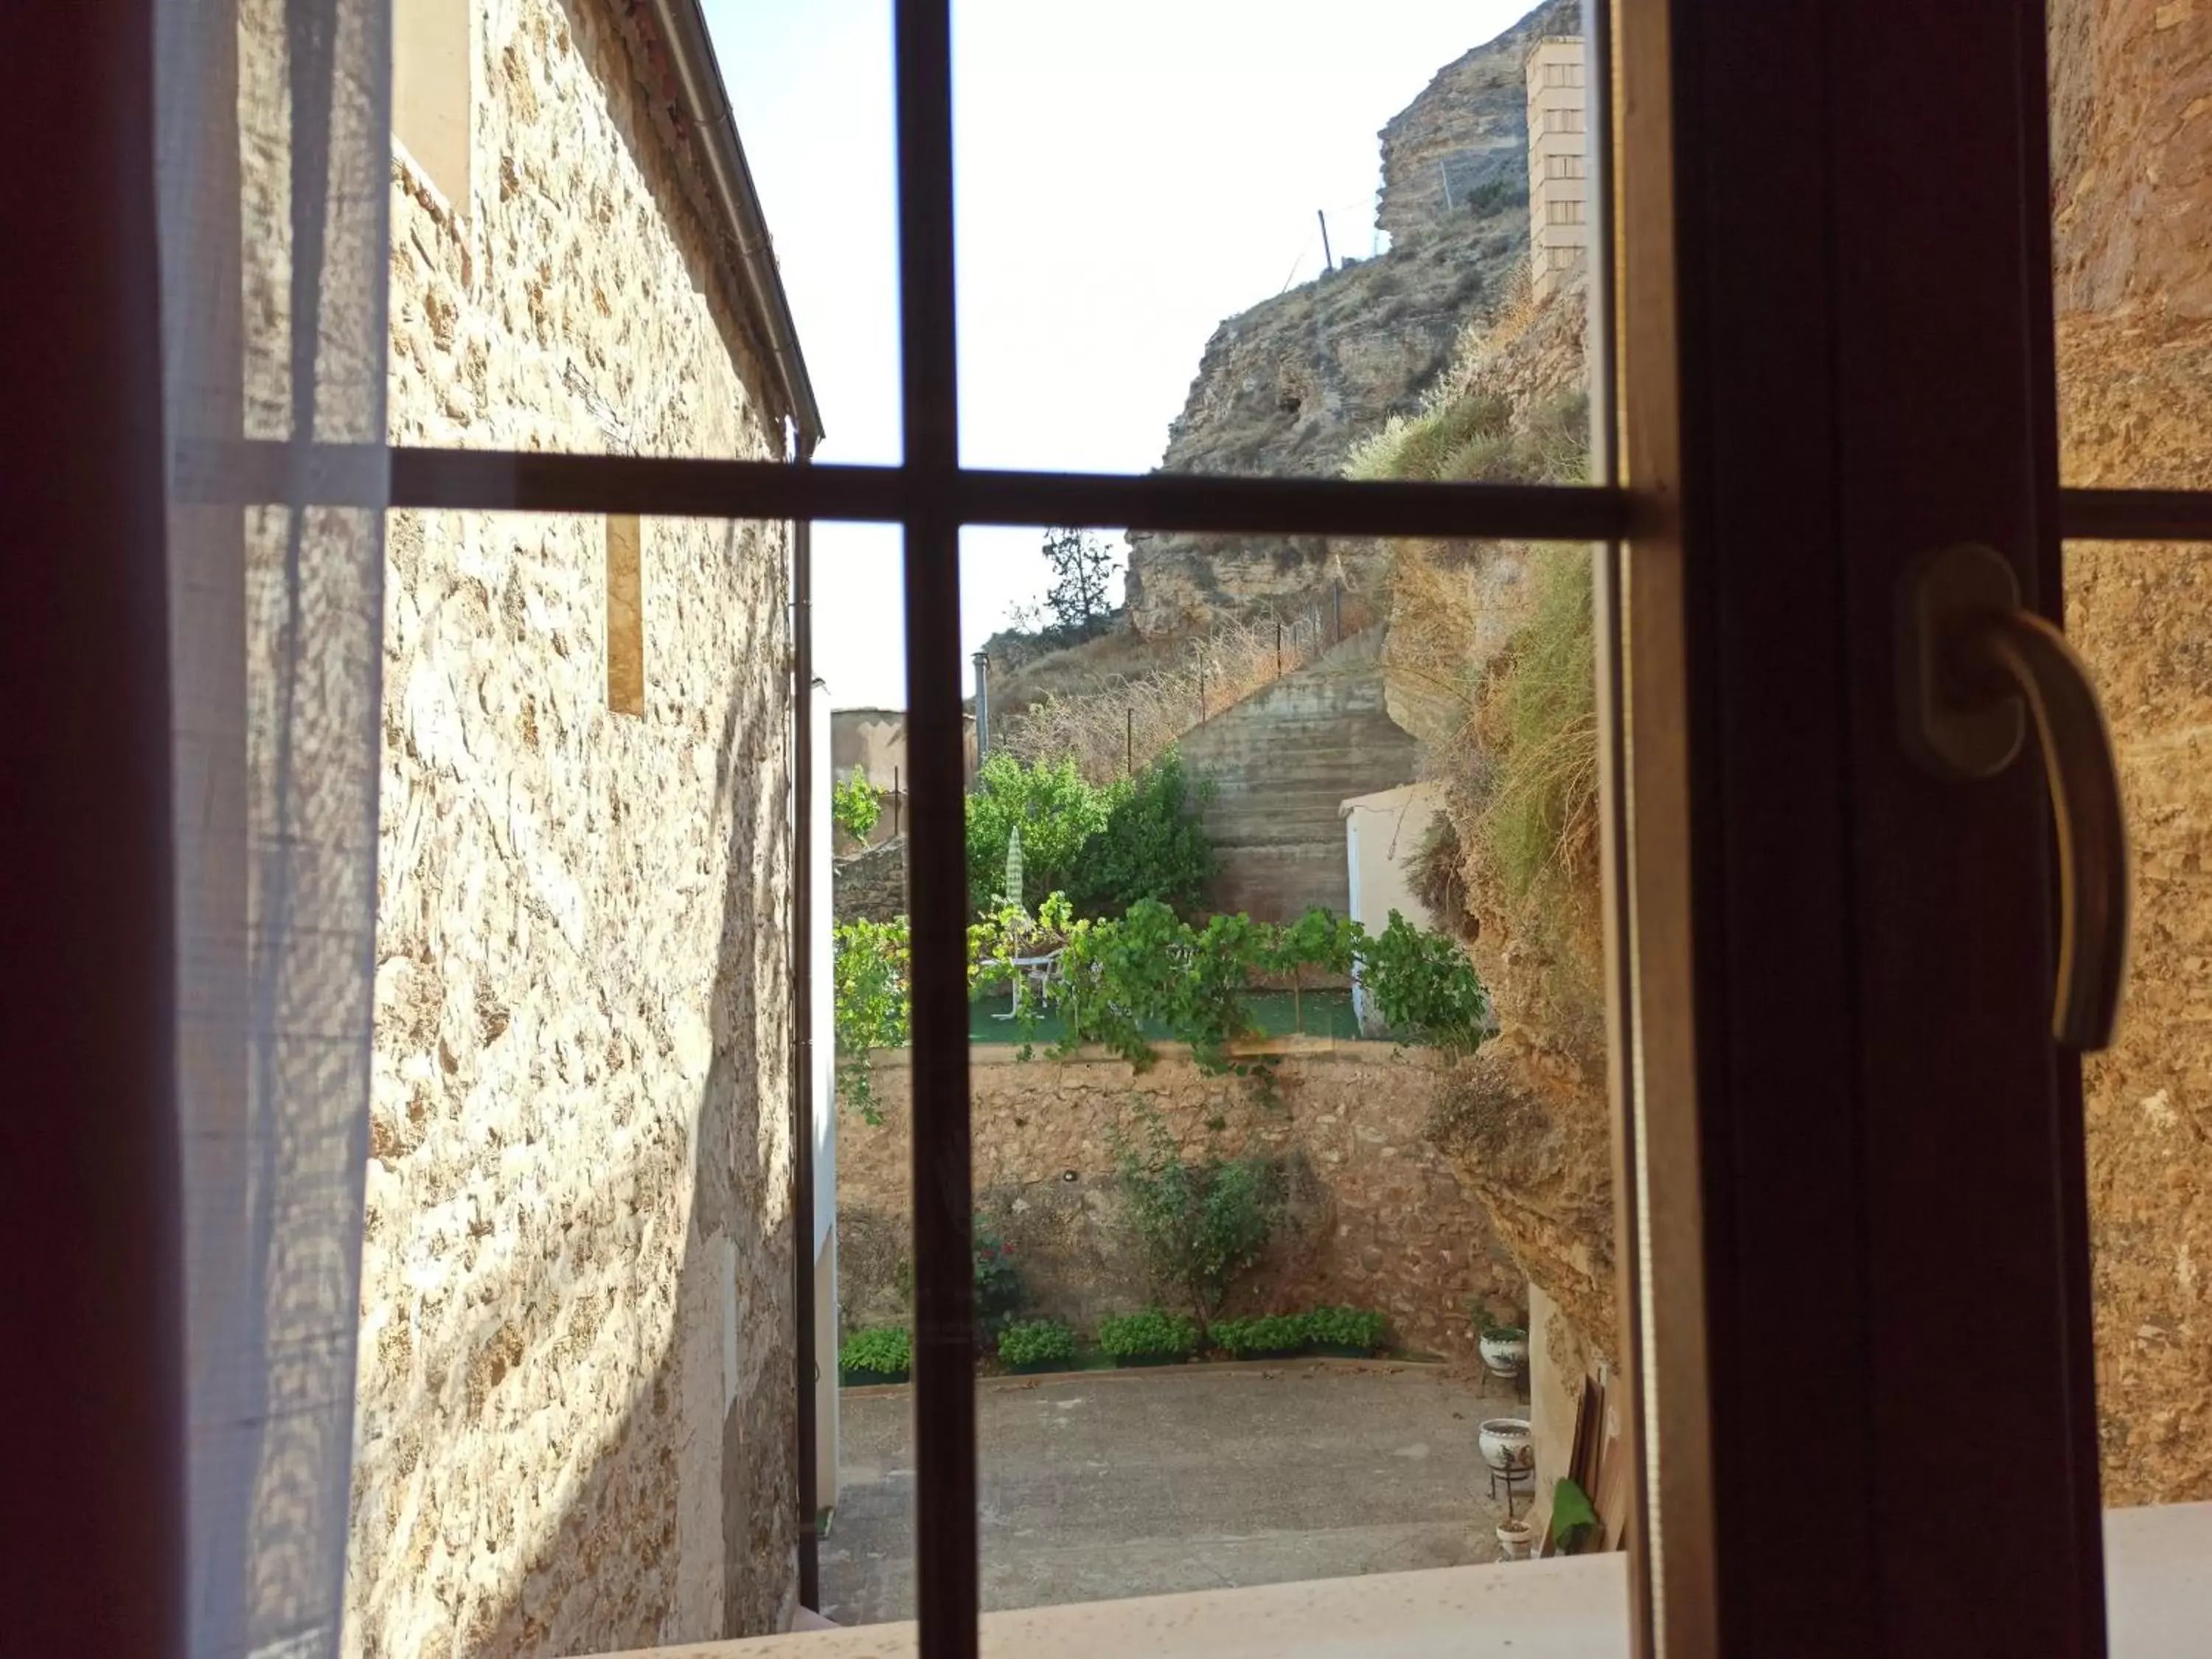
(1444, 174)
(1129, 743)
(1327, 259)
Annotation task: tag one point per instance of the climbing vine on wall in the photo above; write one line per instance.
(1116, 982)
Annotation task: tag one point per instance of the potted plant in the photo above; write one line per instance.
(1029, 1345)
(1347, 1333)
(1504, 1347)
(1150, 1337)
(1508, 1445)
(1515, 1539)
(883, 1354)
(1270, 1336)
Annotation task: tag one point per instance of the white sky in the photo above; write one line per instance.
(1126, 176)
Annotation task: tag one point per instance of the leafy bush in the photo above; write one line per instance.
(1058, 812)
(1269, 1333)
(1199, 1224)
(1036, 1342)
(998, 1290)
(886, 1350)
(1425, 987)
(868, 975)
(1150, 1334)
(854, 806)
(1359, 1328)
(1150, 846)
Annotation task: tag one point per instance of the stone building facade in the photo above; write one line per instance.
(1558, 162)
(576, 1427)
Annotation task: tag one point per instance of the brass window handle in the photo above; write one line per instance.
(1973, 666)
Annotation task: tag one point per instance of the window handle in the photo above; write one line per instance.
(1974, 665)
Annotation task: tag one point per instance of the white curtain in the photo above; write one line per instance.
(274, 166)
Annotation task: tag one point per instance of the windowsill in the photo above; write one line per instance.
(2158, 1562)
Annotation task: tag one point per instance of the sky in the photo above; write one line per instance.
(1126, 178)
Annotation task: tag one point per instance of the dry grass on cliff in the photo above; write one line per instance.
(1129, 721)
(1540, 814)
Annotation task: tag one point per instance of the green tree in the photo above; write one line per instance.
(1058, 812)
(854, 806)
(1083, 571)
(1152, 845)
(868, 976)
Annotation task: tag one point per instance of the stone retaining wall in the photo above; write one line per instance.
(1377, 1219)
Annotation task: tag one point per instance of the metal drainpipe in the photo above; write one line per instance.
(805, 1361)
(983, 707)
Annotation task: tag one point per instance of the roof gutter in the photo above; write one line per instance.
(682, 30)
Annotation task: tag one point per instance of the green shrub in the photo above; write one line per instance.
(1200, 1223)
(1150, 1334)
(999, 1292)
(854, 806)
(1425, 987)
(1359, 1328)
(885, 1350)
(868, 975)
(1150, 846)
(1267, 1334)
(1058, 812)
(1036, 1342)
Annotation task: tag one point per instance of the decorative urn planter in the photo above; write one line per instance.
(1508, 1446)
(1506, 1351)
(1515, 1539)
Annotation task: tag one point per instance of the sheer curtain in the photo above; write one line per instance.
(274, 162)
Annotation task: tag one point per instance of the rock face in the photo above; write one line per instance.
(2131, 84)
(1378, 1218)
(1289, 386)
(576, 1398)
(1468, 132)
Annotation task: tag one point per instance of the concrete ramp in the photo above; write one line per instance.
(1282, 763)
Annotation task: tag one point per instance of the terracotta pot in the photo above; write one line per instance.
(1506, 1352)
(1508, 1445)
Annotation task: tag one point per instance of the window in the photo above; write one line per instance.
(1563, 167)
(1563, 120)
(431, 106)
(1562, 213)
(625, 614)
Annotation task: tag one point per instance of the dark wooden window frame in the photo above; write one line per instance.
(1647, 509)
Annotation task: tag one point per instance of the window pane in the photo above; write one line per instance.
(2139, 613)
(2132, 188)
(1178, 250)
(573, 228)
(1176, 1066)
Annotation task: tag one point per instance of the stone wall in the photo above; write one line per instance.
(1377, 1219)
(576, 1401)
(871, 886)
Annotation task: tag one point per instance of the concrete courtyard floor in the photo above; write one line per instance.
(1099, 1485)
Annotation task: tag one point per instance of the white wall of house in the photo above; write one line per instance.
(1383, 831)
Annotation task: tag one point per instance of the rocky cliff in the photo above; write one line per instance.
(1288, 386)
